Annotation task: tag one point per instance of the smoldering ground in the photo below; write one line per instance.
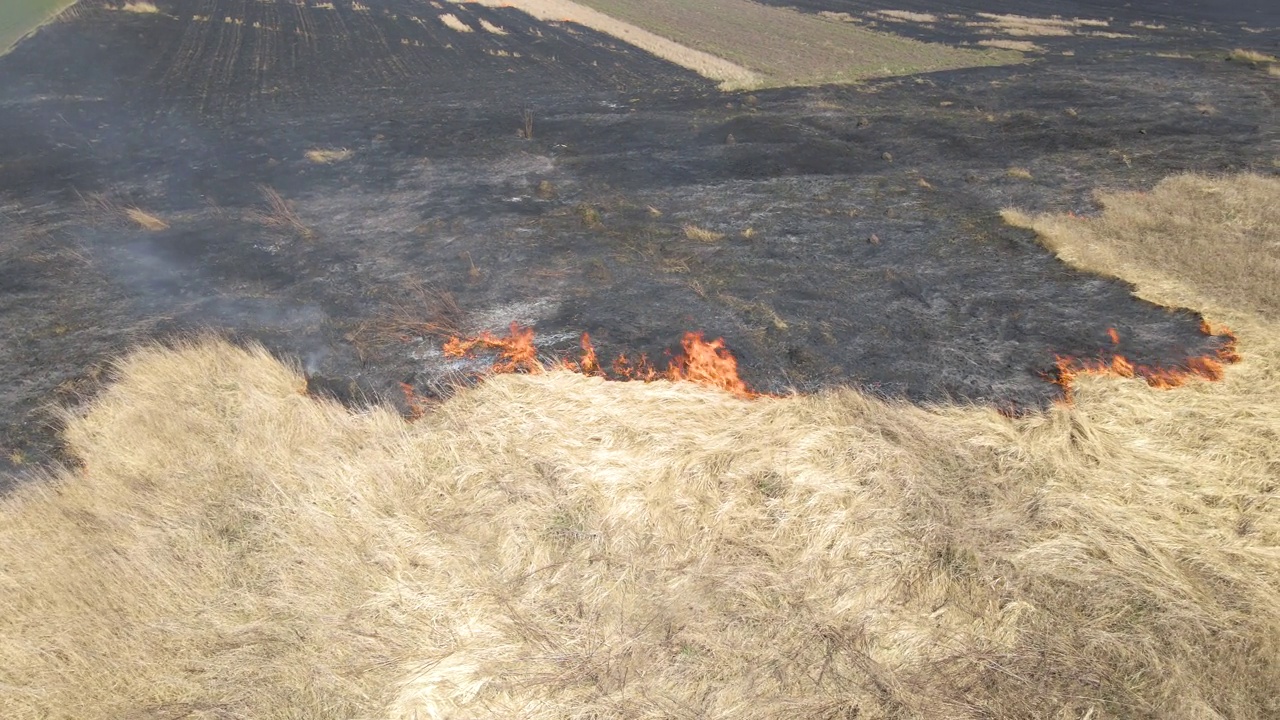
(549, 176)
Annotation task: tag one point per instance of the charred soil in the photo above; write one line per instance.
(548, 175)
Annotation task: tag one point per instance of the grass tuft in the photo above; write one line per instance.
(326, 157)
(280, 214)
(145, 220)
(1015, 45)
(452, 22)
(491, 28)
(700, 234)
(1250, 56)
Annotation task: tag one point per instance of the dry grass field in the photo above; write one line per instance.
(553, 545)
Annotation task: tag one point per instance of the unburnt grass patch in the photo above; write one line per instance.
(1024, 26)
(1255, 57)
(140, 7)
(701, 234)
(1018, 45)
(101, 208)
(327, 156)
(280, 214)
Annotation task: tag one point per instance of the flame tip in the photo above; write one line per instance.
(707, 363)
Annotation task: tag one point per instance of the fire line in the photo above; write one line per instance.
(711, 363)
(1207, 367)
(704, 362)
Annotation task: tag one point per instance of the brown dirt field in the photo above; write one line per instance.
(776, 46)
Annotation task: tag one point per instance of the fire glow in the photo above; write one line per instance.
(710, 363)
(1211, 367)
(704, 362)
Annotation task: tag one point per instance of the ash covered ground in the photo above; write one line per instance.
(861, 239)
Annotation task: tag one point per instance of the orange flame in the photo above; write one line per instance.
(702, 362)
(708, 363)
(516, 352)
(417, 404)
(1205, 367)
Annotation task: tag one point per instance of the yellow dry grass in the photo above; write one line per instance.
(452, 22)
(145, 220)
(1250, 56)
(491, 28)
(326, 157)
(557, 546)
(701, 234)
(1017, 45)
(906, 16)
(1024, 26)
(140, 7)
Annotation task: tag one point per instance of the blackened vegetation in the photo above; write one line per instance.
(1170, 25)
(861, 242)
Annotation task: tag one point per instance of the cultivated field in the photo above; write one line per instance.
(20, 17)
(777, 46)
(554, 545)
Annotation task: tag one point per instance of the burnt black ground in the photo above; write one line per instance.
(1186, 23)
(187, 118)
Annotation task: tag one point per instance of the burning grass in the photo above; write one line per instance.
(552, 545)
(702, 362)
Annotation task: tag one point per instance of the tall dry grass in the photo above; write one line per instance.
(556, 546)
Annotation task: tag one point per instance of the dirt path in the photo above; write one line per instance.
(729, 75)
